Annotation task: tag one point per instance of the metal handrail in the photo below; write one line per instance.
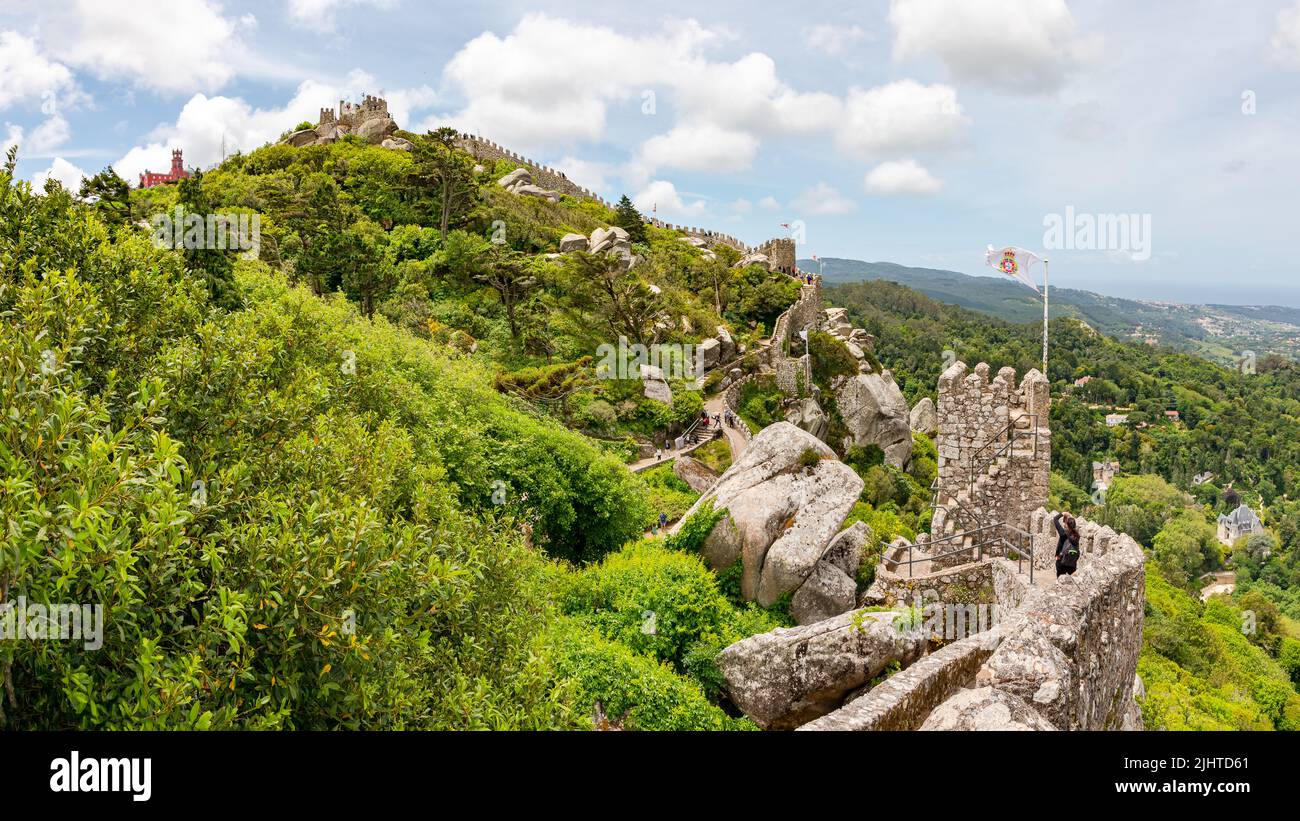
(1010, 426)
(1021, 550)
(1014, 434)
(934, 504)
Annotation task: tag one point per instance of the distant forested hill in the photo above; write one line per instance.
(1222, 333)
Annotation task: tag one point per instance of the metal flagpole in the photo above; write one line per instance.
(1044, 318)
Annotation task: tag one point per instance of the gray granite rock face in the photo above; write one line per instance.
(790, 676)
(694, 473)
(985, 709)
(874, 411)
(924, 418)
(782, 510)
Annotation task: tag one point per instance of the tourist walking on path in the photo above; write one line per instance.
(1067, 544)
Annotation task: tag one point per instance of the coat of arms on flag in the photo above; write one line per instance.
(1014, 262)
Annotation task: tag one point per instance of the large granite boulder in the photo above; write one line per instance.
(727, 352)
(397, 144)
(808, 415)
(709, 352)
(832, 587)
(825, 593)
(790, 676)
(572, 242)
(754, 259)
(602, 240)
(694, 473)
(924, 418)
(874, 411)
(984, 708)
(655, 386)
(376, 129)
(786, 497)
(298, 139)
(516, 177)
(846, 549)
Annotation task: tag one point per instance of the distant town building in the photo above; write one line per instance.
(150, 178)
(1113, 419)
(1172, 415)
(1202, 478)
(1081, 381)
(1241, 522)
(1103, 472)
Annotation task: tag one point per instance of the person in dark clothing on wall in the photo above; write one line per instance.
(1067, 544)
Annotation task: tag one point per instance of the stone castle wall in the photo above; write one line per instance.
(1071, 649)
(486, 151)
(547, 177)
(1066, 651)
(351, 114)
(974, 417)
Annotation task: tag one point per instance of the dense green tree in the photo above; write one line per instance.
(629, 219)
(111, 194)
(446, 174)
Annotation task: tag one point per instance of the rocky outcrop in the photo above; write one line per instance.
(825, 593)
(727, 345)
(710, 353)
(874, 411)
(654, 386)
(520, 181)
(754, 259)
(790, 676)
(368, 120)
(786, 498)
(694, 473)
(924, 418)
(984, 708)
(376, 129)
(602, 240)
(807, 414)
(572, 242)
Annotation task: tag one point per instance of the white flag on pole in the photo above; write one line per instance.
(1015, 263)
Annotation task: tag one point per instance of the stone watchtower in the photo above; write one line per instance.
(995, 450)
(780, 253)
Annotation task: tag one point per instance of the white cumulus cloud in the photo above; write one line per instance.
(28, 75)
(69, 175)
(699, 148)
(166, 45)
(901, 177)
(1285, 44)
(1023, 46)
(663, 198)
(822, 199)
(901, 116)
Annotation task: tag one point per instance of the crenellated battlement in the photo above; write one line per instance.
(995, 448)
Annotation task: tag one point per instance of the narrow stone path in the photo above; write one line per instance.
(736, 438)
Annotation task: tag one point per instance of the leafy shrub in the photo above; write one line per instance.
(638, 691)
(759, 403)
(668, 494)
(655, 600)
(830, 358)
(690, 537)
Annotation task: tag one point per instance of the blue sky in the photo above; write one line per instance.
(912, 131)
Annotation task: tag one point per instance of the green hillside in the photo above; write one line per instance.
(1221, 333)
(368, 476)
